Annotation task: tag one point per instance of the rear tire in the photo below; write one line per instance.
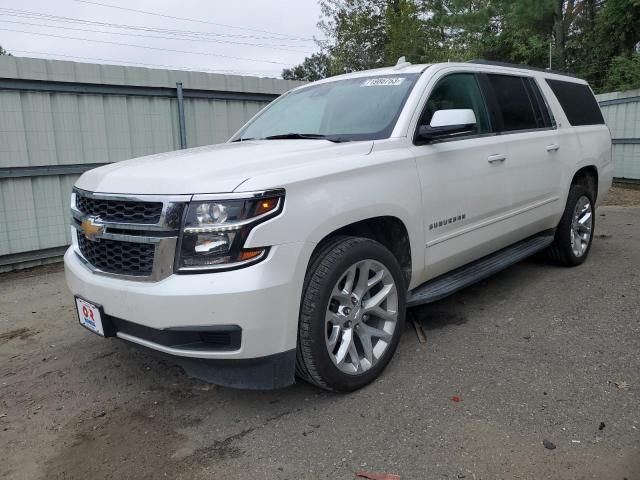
(574, 234)
(351, 316)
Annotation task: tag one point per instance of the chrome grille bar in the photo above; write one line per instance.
(163, 234)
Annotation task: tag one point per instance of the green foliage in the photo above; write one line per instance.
(620, 24)
(315, 67)
(624, 74)
(405, 33)
(356, 33)
(3, 51)
(595, 39)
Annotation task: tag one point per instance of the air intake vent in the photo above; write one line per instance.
(123, 258)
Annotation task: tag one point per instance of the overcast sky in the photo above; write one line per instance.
(258, 37)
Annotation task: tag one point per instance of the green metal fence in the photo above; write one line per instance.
(621, 111)
(59, 119)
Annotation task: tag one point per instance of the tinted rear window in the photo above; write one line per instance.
(514, 103)
(578, 102)
(539, 105)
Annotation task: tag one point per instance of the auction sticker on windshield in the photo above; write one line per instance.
(383, 82)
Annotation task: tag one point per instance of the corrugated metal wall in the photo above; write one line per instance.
(57, 118)
(60, 118)
(621, 111)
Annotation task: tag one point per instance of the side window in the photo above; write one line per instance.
(457, 91)
(513, 102)
(545, 111)
(578, 102)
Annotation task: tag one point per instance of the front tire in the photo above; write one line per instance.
(352, 314)
(574, 235)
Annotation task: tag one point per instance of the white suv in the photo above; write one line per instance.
(296, 247)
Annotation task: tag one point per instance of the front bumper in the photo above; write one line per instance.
(263, 300)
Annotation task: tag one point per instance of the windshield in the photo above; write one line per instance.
(364, 108)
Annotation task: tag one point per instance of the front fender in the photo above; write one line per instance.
(373, 186)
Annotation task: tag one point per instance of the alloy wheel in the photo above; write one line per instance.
(581, 226)
(361, 316)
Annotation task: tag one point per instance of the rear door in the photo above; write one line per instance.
(584, 131)
(534, 149)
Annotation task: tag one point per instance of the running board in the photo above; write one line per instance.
(462, 277)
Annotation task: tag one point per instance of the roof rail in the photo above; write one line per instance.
(520, 66)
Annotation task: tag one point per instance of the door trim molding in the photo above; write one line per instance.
(491, 221)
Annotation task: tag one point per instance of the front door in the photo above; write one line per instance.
(464, 181)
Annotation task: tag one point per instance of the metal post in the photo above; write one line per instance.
(181, 124)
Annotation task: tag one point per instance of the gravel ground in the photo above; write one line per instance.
(536, 353)
(624, 195)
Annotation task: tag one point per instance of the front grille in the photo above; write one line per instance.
(123, 258)
(121, 211)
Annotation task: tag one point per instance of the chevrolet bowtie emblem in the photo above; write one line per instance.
(92, 229)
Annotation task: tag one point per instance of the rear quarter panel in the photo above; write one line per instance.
(595, 148)
(588, 145)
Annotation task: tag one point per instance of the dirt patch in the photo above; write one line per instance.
(21, 333)
(31, 272)
(77, 406)
(220, 450)
(623, 196)
(115, 445)
(434, 319)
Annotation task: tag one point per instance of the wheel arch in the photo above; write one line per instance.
(388, 230)
(588, 176)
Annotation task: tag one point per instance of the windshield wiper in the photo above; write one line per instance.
(296, 136)
(305, 136)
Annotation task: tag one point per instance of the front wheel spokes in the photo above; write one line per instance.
(343, 291)
(355, 357)
(363, 279)
(361, 316)
(334, 336)
(345, 347)
(376, 300)
(367, 344)
(373, 332)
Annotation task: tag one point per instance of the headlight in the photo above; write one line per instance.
(214, 231)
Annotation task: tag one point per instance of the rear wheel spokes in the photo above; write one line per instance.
(581, 226)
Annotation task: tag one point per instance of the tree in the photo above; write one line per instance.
(610, 47)
(313, 68)
(3, 51)
(620, 22)
(364, 34)
(624, 74)
(406, 33)
(355, 33)
(598, 40)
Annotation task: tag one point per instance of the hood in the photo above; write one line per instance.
(212, 169)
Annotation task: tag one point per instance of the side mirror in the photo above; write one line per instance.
(445, 123)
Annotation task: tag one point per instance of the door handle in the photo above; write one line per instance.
(554, 147)
(500, 157)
